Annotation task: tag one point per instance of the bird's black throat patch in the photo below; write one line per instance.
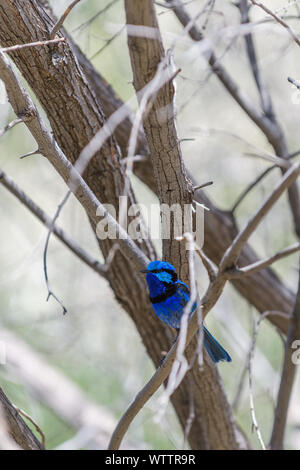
(171, 289)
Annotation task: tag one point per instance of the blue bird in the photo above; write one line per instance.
(169, 296)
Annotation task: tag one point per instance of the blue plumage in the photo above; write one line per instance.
(169, 296)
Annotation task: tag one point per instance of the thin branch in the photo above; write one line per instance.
(287, 378)
(232, 253)
(108, 42)
(61, 20)
(279, 20)
(262, 264)
(31, 44)
(294, 82)
(16, 426)
(14, 189)
(29, 154)
(265, 98)
(37, 427)
(203, 185)
(251, 397)
(258, 180)
(50, 291)
(250, 368)
(210, 267)
(251, 186)
(94, 17)
(10, 126)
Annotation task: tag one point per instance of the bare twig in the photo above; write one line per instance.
(251, 186)
(31, 44)
(265, 98)
(61, 20)
(279, 20)
(294, 82)
(250, 368)
(29, 154)
(94, 17)
(262, 264)
(37, 427)
(233, 252)
(10, 126)
(203, 185)
(210, 267)
(50, 292)
(257, 180)
(16, 426)
(287, 378)
(108, 42)
(14, 189)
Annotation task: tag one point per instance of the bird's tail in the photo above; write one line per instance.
(214, 349)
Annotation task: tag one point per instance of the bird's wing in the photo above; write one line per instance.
(183, 293)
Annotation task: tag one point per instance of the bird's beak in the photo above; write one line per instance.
(144, 271)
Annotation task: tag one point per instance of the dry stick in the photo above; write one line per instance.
(252, 268)
(108, 42)
(50, 291)
(258, 179)
(94, 17)
(279, 20)
(37, 427)
(250, 368)
(251, 186)
(14, 189)
(16, 426)
(265, 99)
(10, 126)
(29, 154)
(22, 104)
(294, 82)
(31, 44)
(61, 20)
(232, 253)
(287, 378)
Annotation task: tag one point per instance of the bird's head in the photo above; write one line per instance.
(160, 274)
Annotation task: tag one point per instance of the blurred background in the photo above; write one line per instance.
(95, 346)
